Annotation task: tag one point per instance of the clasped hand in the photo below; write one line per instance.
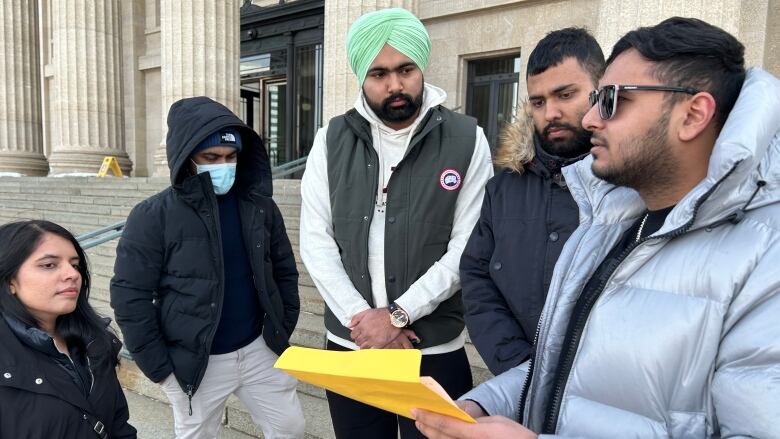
(372, 329)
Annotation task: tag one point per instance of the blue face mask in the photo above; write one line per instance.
(222, 176)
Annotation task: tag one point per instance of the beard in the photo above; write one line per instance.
(575, 146)
(650, 163)
(387, 113)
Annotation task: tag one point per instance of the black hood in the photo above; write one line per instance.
(191, 120)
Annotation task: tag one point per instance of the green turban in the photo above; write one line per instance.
(396, 27)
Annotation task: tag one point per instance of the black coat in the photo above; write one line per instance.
(507, 265)
(39, 399)
(168, 282)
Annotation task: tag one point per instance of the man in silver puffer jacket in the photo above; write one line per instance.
(662, 319)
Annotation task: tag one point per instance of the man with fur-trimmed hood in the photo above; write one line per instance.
(528, 213)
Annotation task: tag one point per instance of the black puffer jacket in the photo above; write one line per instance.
(39, 398)
(505, 271)
(168, 282)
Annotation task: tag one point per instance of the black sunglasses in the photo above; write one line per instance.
(607, 97)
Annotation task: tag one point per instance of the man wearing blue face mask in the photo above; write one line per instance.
(205, 286)
(217, 154)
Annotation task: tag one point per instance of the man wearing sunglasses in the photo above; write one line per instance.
(528, 212)
(661, 320)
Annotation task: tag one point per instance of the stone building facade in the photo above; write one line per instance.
(85, 79)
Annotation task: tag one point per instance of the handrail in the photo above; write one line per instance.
(108, 233)
(105, 238)
(289, 167)
(100, 231)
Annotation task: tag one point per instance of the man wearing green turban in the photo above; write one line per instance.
(396, 27)
(391, 193)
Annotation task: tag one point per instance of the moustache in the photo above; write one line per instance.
(406, 98)
(596, 140)
(558, 126)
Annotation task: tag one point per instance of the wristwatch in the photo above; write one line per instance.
(398, 317)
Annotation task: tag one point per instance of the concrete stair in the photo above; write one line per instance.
(82, 204)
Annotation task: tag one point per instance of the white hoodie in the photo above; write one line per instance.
(320, 253)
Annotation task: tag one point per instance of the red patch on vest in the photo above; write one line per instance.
(450, 179)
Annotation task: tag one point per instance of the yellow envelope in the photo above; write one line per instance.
(385, 378)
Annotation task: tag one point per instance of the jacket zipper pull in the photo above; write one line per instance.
(189, 397)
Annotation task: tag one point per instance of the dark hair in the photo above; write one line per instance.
(19, 240)
(558, 45)
(691, 53)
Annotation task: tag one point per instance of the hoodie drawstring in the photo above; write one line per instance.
(738, 215)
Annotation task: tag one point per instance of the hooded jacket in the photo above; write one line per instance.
(41, 398)
(527, 215)
(683, 341)
(168, 284)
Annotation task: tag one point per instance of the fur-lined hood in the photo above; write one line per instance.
(516, 142)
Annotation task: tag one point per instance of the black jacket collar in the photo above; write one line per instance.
(547, 165)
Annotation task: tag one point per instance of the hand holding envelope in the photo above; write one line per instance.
(385, 378)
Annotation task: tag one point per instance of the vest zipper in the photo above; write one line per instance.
(190, 392)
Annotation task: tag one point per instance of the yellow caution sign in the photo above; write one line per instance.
(109, 162)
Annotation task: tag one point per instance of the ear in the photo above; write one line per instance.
(699, 113)
(12, 287)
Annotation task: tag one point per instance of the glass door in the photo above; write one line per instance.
(492, 92)
(275, 119)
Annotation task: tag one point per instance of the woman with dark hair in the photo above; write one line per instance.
(57, 356)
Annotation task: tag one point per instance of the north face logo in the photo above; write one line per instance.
(228, 138)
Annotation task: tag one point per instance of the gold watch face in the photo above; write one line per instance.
(399, 319)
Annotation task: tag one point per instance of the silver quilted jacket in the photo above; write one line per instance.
(684, 341)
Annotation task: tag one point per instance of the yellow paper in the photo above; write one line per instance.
(385, 378)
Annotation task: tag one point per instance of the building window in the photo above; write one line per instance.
(492, 91)
(282, 74)
(265, 98)
(308, 99)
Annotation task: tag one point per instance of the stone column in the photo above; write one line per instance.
(341, 86)
(87, 104)
(21, 147)
(200, 52)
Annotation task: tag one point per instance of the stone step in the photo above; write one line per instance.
(78, 200)
(309, 333)
(51, 206)
(311, 300)
(153, 419)
(84, 204)
(77, 223)
(151, 414)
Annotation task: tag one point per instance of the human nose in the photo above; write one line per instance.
(592, 120)
(551, 112)
(71, 272)
(394, 83)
